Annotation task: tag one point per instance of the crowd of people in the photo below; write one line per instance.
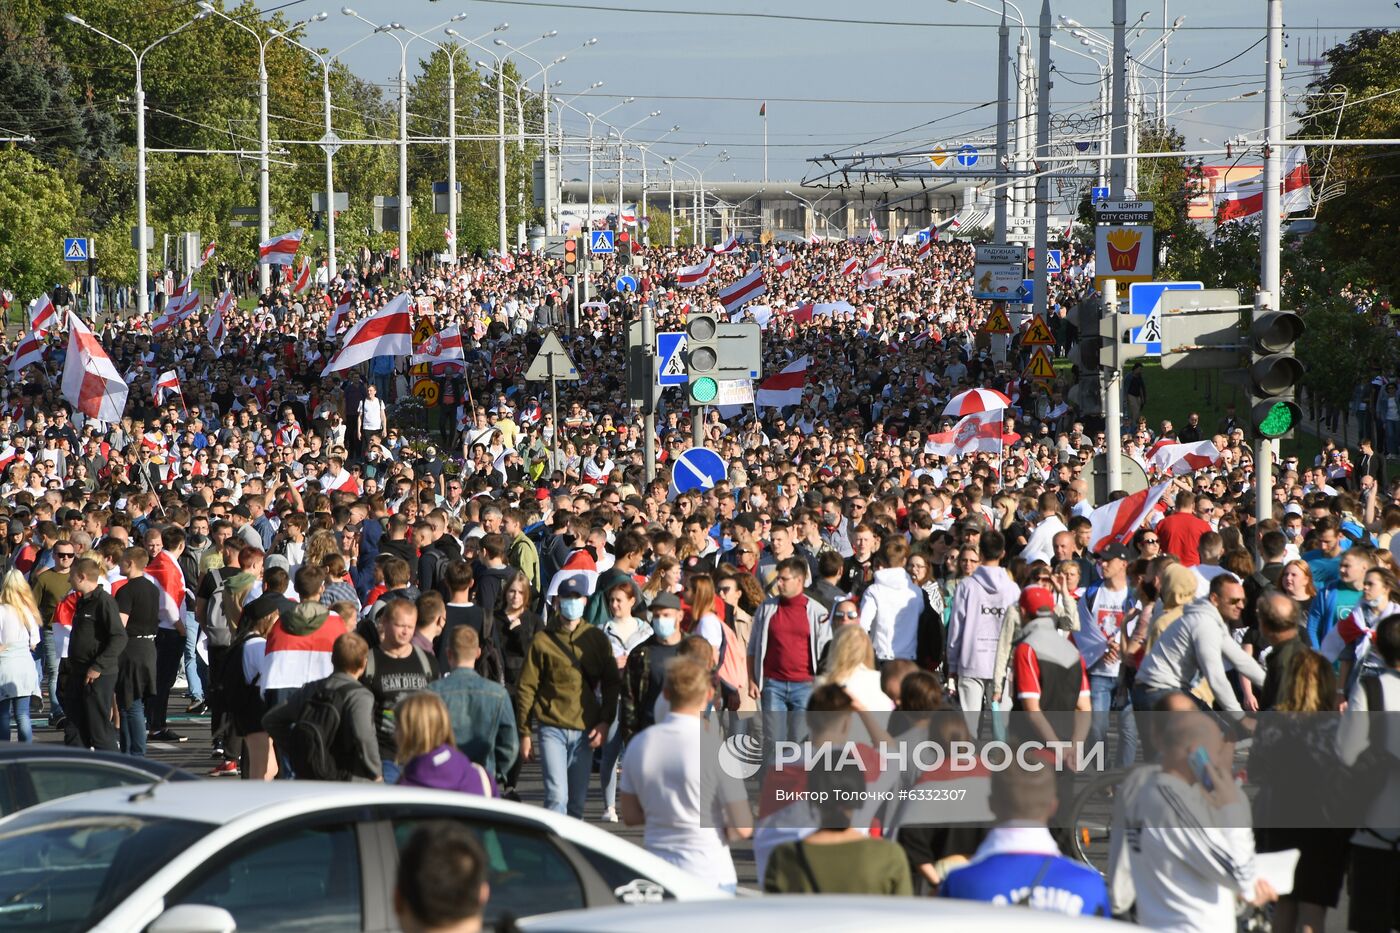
(354, 588)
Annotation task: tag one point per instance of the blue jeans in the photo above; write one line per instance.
(391, 771)
(131, 733)
(607, 774)
(195, 669)
(18, 709)
(567, 761)
(784, 703)
(1101, 689)
(48, 654)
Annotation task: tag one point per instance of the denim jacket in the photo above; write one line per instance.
(483, 721)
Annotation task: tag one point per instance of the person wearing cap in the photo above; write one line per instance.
(646, 664)
(241, 517)
(569, 688)
(1048, 674)
(1103, 632)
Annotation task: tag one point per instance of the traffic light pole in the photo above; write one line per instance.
(1112, 398)
(649, 408)
(1269, 233)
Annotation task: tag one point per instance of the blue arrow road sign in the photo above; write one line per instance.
(967, 156)
(1052, 261)
(1097, 194)
(1146, 298)
(601, 241)
(670, 362)
(921, 238)
(626, 283)
(1026, 291)
(75, 249)
(697, 468)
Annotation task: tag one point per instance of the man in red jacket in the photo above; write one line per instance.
(1180, 533)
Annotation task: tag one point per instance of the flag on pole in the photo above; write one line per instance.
(785, 388)
(280, 250)
(1239, 200)
(1117, 520)
(783, 264)
(168, 381)
(728, 246)
(178, 310)
(445, 346)
(1179, 459)
(43, 316)
(926, 247)
(339, 316)
(216, 327)
(693, 276)
(387, 332)
(749, 287)
(208, 253)
(447, 235)
(875, 234)
(850, 266)
(91, 383)
(763, 109)
(979, 432)
(629, 215)
(874, 274)
(29, 352)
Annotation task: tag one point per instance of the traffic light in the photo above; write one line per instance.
(571, 256)
(1274, 373)
(1086, 352)
(702, 356)
(624, 247)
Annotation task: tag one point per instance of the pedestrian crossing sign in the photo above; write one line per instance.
(75, 249)
(1038, 334)
(601, 242)
(997, 321)
(1040, 366)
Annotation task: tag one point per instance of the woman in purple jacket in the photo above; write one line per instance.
(426, 751)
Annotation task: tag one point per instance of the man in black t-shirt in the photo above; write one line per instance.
(646, 665)
(395, 668)
(138, 602)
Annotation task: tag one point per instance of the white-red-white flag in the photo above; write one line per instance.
(29, 352)
(176, 310)
(280, 250)
(339, 315)
(1239, 200)
(926, 247)
(179, 290)
(1178, 459)
(749, 287)
(169, 579)
(445, 346)
(629, 215)
(387, 332)
(447, 235)
(208, 253)
(850, 266)
(217, 325)
(782, 264)
(874, 273)
(168, 382)
(91, 383)
(875, 234)
(979, 432)
(728, 246)
(506, 262)
(1116, 521)
(43, 316)
(784, 388)
(695, 276)
(303, 279)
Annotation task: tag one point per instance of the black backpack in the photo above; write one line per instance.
(490, 664)
(315, 736)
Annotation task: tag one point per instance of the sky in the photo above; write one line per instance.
(882, 75)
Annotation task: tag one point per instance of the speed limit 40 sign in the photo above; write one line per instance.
(429, 391)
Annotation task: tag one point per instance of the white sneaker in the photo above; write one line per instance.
(610, 815)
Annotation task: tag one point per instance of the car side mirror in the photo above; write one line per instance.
(194, 918)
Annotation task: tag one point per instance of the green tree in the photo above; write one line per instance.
(38, 207)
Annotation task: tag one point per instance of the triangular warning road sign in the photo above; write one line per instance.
(997, 321)
(1038, 334)
(1040, 366)
(552, 362)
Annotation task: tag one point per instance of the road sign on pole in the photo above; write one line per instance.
(551, 362)
(600, 242)
(967, 156)
(670, 359)
(1145, 298)
(75, 249)
(1052, 262)
(1098, 195)
(626, 283)
(697, 468)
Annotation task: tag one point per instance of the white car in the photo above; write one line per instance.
(818, 913)
(199, 857)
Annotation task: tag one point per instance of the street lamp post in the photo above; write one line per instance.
(671, 167)
(559, 128)
(621, 160)
(544, 97)
(143, 272)
(645, 150)
(501, 245)
(594, 119)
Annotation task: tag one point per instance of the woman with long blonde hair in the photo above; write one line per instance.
(19, 636)
(850, 664)
(428, 754)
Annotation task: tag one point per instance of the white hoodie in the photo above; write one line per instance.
(889, 612)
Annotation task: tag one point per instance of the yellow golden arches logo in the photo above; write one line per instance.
(1123, 248)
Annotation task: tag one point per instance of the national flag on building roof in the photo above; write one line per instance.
(745, 289)
(280, 250)
(387, 332)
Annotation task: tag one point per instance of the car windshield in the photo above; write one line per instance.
(64, 870)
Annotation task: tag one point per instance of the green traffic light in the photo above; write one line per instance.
(1278, 422)
(703, 390)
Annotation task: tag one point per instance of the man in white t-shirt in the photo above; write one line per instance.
(1103, 610)
(689, 816)
(373, 416)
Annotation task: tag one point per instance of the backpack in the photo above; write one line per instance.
(490, 664)
(314, 738)
(221, 614)
(235, 693)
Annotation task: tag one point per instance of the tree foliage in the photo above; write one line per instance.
(37, 209)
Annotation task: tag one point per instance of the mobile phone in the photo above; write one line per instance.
(1199, 760)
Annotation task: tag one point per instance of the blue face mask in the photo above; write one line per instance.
(572, 607)
(664, 627)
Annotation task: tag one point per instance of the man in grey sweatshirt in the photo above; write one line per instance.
(974, 624)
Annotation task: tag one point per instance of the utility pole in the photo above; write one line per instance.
(1042, 156)
(1112, 398)
(1118, 120)
(1269, 296)
(649, 406)
(1004, 191)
